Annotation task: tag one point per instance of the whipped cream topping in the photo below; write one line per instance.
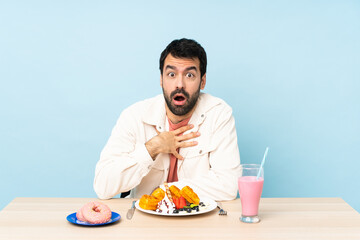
(165, 206)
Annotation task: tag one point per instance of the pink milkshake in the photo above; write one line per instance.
(250, 191)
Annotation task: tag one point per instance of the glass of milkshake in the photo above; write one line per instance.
(250, 189)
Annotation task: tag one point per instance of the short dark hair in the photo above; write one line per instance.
(185, 48)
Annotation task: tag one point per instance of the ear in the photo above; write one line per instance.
(203, 82)
(161, 80)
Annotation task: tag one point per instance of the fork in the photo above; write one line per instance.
(222, 212)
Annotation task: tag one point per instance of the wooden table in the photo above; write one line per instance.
(281, 218)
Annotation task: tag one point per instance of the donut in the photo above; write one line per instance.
(79, 216)
(94, 213)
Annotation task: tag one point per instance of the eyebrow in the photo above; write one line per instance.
(191, 68)
(171, 67)
(186, 69)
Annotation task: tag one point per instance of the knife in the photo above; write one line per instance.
(131, 211)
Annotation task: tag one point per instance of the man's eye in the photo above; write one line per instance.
(171, 74)
(189, 75)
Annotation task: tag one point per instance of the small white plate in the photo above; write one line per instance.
(209, 206)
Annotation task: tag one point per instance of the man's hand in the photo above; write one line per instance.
(169, 142)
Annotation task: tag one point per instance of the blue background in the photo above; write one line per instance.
(289, 69)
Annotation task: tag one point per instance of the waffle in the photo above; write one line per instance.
(158, 194)
(148, 202)
(189, 195)
(175, 191)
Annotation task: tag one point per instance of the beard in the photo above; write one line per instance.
(187, 107)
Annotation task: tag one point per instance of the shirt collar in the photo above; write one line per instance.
(156, 114)
(204, 104)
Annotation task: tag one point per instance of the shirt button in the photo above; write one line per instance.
(200, 152)
(202, 115)
(159, 127)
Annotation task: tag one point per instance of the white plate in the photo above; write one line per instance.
(209, 206)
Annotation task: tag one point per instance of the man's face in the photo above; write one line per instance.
(181, 83)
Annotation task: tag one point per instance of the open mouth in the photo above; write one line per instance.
(179, 99)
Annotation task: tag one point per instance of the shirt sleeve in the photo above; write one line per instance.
(220, 181)
(124, 160)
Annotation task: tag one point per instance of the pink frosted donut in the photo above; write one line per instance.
(95, 213)
(79, 216)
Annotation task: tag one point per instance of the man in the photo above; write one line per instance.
(181, 136)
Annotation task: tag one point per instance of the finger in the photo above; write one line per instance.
(187, 136)
(183, 129)
(156, 130)
(187, 144)
(177, 155)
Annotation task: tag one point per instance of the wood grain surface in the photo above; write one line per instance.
(281, 218)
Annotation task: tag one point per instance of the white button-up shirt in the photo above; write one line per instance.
(210, 168)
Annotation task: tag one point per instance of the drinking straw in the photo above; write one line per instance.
(262, 163)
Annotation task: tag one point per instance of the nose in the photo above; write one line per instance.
(180, 83)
